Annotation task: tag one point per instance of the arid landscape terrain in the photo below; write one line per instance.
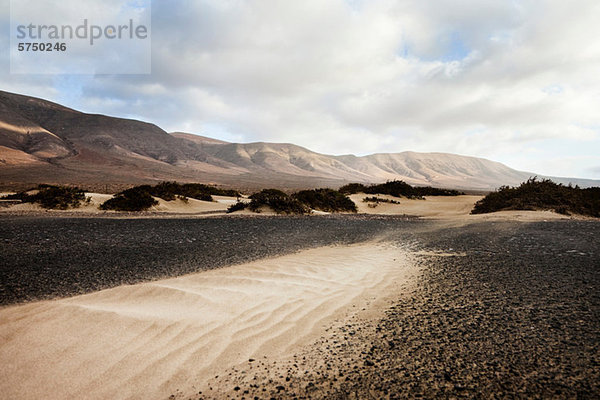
(324, 306)
(294, 200)
(233, 288)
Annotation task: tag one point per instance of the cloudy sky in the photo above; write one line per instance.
(516, 81)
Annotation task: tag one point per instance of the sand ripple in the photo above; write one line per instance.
(150, 338)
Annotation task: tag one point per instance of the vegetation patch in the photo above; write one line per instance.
(398, 189)
(52, 197)
(238, 206)
(140, 198)
(170, 190)
(353, 188)
(328, 200)
(302, 202)
(135, 199)
(277, 200)
(378, 200)
(542, 195)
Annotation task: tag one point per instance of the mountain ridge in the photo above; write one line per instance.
(45, 142)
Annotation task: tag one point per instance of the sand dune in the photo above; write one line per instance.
(177, 206)
(152, 338)
(449, 208)
(191, 206)
(432, 207)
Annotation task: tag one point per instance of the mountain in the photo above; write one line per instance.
(41, 141)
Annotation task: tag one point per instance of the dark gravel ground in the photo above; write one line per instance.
(47, 257)
(518, 316)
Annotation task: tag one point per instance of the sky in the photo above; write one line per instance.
(515, 81)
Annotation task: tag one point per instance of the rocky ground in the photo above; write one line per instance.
(44, 257)
(515, 313)
(505, 310)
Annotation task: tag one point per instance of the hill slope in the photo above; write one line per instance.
(41, 141)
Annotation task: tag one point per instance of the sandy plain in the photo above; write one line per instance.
(191, 206)
(176, 336)
(176, 333)
(456, 208)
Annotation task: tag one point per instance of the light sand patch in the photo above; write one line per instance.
(188, 206)
(525, 216)
(431, 207)
(456, 208)
(450, 208)
(146, 340)
(96, 199)
(227, 200)
(10, 156)
(92, 207)
(262, 210)
(177, 206)
(319, 212)
(438, 253)
(25, 130)
(193, 206)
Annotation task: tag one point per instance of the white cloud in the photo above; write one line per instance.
(502, 80)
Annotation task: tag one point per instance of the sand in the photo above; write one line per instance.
(431, 207)
(154, 337)
(512, 314)
(219, 205)
(457, 208)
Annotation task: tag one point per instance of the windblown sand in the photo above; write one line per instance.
(176, 333)
(177, 206)
(457, 208)
(432, 207)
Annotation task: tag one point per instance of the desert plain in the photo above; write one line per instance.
(412, 300)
